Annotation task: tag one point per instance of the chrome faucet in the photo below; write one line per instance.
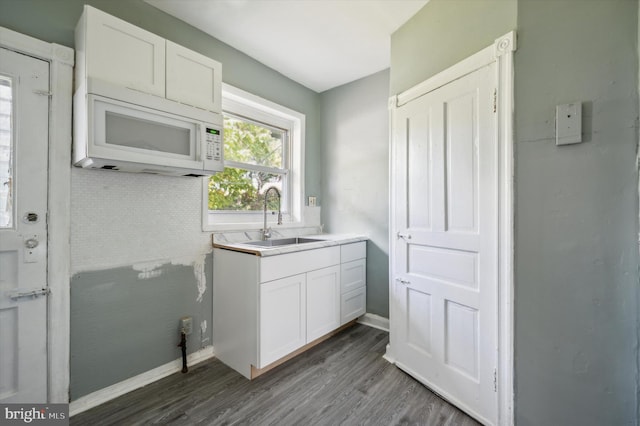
(266, 232)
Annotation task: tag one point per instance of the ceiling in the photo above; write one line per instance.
(320, 44)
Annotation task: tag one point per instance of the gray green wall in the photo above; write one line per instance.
(137, 246)
(111, 307)
(443, 33)
(355, 170)
(576, 207)
(576, 214)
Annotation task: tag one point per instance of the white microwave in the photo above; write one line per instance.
(145, 134)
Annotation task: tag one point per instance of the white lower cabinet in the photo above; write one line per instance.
(297, 310)
(353, 281)
(283, 328)
(323, 302)
(266, 308)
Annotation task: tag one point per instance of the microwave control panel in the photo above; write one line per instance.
(213, 143)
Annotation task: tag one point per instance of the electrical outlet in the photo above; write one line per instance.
(186, 325)
(312, 201)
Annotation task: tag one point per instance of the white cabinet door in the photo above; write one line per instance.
(124, 54)
(445, 264)
(323, 302)
(193, 79)
(282, 318)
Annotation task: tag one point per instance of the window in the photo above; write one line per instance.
(6, 156)
(263, 148)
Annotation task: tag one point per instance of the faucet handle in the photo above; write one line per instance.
(266, 233)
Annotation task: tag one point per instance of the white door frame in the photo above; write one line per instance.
(500, 52)
(61, 61)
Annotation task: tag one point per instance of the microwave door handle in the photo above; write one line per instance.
(199, 141)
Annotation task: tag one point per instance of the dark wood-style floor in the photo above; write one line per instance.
(343, 381)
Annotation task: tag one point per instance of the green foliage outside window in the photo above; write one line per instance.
(240, 189)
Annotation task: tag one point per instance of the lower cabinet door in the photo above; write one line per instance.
(282, 318)
(323, 301)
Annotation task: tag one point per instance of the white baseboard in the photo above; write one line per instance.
(388, 355)
(103, 395)
(375, 321)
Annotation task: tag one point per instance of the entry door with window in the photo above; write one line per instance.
(24, 106)
(445, 259)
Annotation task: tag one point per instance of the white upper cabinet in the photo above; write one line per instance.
(193, 78)
(115, 51)
(121, 53)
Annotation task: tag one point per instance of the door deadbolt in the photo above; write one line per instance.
(31, 243)
(30, 217)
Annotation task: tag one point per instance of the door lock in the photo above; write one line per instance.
(30, 218)
(32, 294)
(33, 251)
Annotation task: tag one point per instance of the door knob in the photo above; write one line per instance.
(31, 243)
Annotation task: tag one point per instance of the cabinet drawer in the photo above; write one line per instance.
(284, 265)
(353, 304)
(353, 275)
(353, 251)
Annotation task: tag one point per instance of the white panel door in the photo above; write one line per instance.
(24, 104)
(445, 263)
(282, 318)
(323, 302)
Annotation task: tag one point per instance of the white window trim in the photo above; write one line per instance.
(243, 103)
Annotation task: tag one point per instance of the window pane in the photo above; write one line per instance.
(6, 154)
(242, 190)
(252, 143)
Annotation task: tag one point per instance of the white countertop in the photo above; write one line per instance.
(325, 240)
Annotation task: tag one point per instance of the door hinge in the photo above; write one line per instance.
(495, 100)
(495, 380)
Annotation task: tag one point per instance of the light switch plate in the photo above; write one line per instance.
(569, 123)
(312, 201)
